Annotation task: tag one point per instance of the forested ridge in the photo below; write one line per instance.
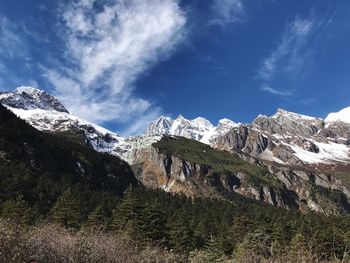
(93, 204)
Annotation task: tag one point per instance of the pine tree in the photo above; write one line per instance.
(154, 224)
(180, 233)
(126, 216)
(200, 233)
(17, 210)
(212, 251)
(66, 210)
(97, 219)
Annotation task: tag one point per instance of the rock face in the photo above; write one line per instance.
(159, 166)
(292, 140)
(306, 154)
(28, 98)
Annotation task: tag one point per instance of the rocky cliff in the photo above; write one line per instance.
(176, 164)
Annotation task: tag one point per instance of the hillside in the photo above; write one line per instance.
(39, 167)
(288, 160)
(47, 178)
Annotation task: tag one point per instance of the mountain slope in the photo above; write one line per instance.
(291, 139)
(180, 165)
(46, 113)
(305, 160)
(40, 166)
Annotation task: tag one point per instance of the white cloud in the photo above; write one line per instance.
(271, 90)
(109, 47)
(13, 50)
(142, 122)
(292, 50)
(226, 12)
(11, 44)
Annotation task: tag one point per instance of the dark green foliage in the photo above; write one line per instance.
(40, 173)
(127, 217)
(181, 234)
(97, 219)
(66, 211)
(203, 154)
(17, 210)
(40, 167)
(154, 224)
(212, 250)
(217, 160)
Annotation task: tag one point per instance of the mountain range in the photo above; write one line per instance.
(288, 159)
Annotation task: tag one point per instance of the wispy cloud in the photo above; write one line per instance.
(294, 51)
(109, 46)
(276, 92)
(226, 11)
(291, 52)
(13, 49)
(11, 44)
(307, 102)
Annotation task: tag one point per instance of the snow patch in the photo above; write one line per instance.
(268, 155)
(342, 116)
(329, 152)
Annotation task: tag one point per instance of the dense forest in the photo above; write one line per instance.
(62, 202)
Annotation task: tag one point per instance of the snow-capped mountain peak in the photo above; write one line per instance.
(225, 125)
(199, 129)
(341, 116)
(281, 113)
(228, 123)
(29, 90)
(160, 126)
(289, 136)
(44, 112)
(200, 121)
(29, 98)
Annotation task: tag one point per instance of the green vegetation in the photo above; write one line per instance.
(200, 153)
(345, 178)
(46, 180)
(218, 161)
(196, 230)
(39, 167)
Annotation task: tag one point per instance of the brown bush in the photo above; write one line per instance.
(50, 243)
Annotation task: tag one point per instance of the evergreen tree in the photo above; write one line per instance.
(17, 210)
(66, 211)
(97, 219)
(126, 216)
(200, 233)
(154, 224)
(180, 233)
(212, 251)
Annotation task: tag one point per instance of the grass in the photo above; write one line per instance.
(345, 178)
(217, 160)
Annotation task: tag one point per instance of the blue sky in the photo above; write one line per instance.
(122, 63)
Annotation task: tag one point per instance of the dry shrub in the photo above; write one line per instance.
(50, 243)
(12, 243)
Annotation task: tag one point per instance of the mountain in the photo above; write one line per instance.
(292, 139)
(28, 98)
(44, 112)
(288, 159)
(198, 129)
